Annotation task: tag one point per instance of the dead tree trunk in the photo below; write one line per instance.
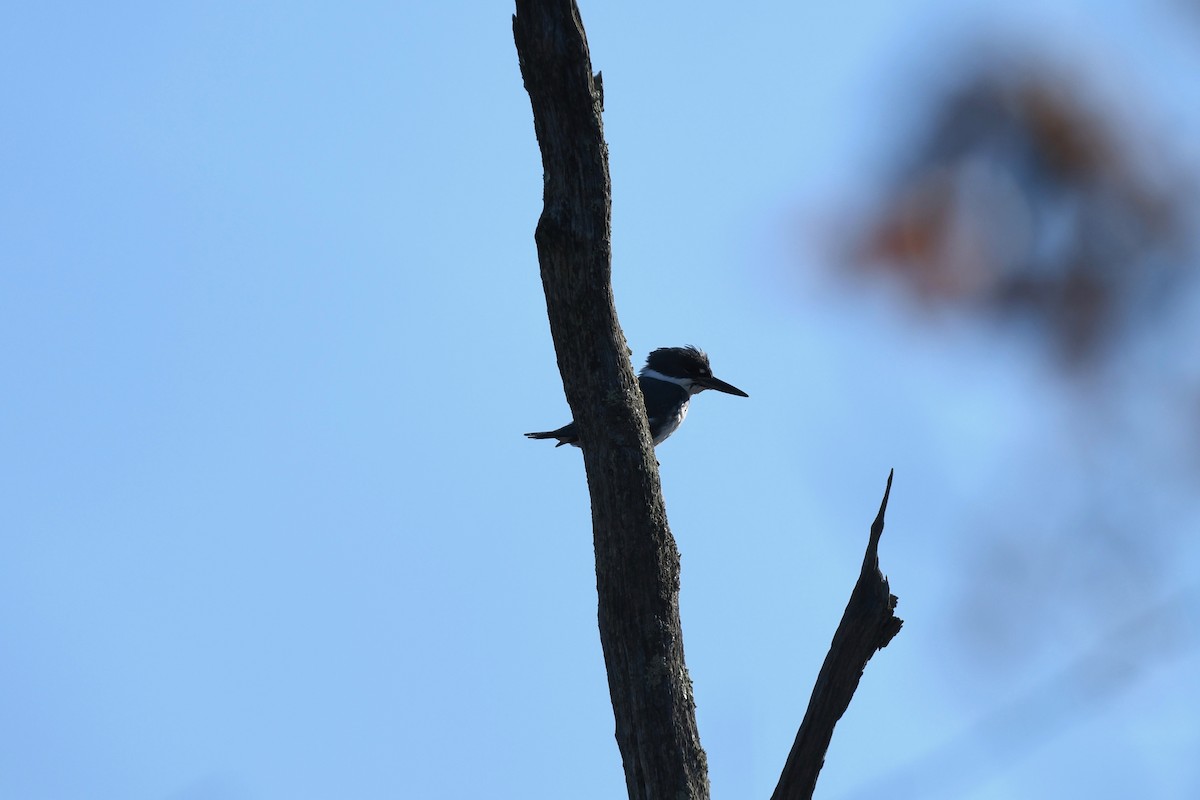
(637, 562)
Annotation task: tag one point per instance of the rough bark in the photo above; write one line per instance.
(637, 562)
(867, 625)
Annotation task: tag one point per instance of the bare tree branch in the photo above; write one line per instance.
(637, 562)
(867, 625)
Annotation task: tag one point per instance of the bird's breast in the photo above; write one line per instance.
(671, 423)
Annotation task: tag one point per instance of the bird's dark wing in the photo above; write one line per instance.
(661, 394)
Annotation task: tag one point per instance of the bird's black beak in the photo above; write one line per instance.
(719, 385)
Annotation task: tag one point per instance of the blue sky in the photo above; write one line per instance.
(272, 328)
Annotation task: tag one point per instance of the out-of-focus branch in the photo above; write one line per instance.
(867, 625)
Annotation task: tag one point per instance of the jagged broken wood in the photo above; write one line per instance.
(868, 625)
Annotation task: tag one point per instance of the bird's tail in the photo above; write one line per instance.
(565, 435)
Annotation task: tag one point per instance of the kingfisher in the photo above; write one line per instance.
(668, 381)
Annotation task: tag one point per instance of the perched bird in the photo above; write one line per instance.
(669, 379)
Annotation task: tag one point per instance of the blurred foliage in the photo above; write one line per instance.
(1023, 199)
